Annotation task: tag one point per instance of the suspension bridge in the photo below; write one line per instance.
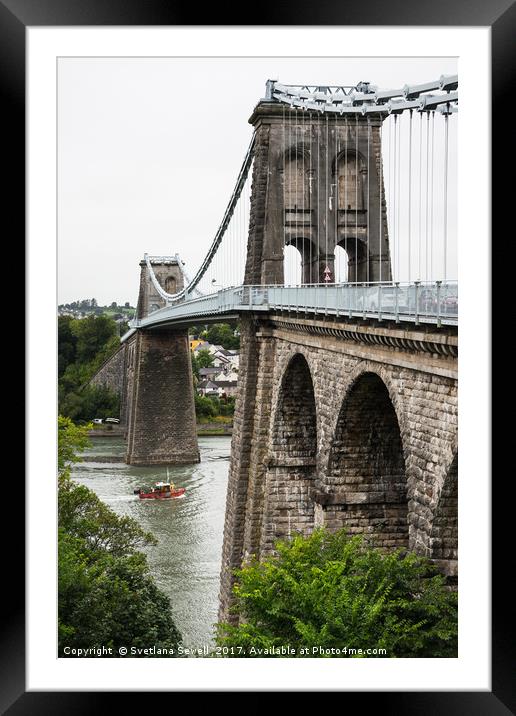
(337, 253)
(334, 191)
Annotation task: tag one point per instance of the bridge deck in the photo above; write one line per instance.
(434, 304)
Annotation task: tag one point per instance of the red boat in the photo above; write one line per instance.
(160, 491)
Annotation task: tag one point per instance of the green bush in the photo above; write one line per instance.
(83, 345)
(204, 407)
(333, 591)
(90, 402)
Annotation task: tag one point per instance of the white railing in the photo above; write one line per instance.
(417, 302)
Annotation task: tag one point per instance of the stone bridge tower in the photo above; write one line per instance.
(317, 184)
(170, 277)
(158, 405)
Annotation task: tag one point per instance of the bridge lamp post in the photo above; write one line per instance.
(217, 285)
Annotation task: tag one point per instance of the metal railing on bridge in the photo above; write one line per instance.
(417, 302)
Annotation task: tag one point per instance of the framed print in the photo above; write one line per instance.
(238, 233)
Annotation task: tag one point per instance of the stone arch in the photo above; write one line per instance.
(295, 419)
(365, 487)
(393, 389)
(443, 542)
(292, 457)
(300, 151)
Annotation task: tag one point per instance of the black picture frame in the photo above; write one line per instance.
(500, 16)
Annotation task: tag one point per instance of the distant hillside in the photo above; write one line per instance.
(90, 307)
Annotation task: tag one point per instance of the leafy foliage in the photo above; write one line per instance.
(218, 334)
(204, 407)
(109, 601)
(203, 358)
(222, 334)
(82, 514)
(92, 401)
(67, 343)
(332, 591)
(71, 439)
(83, 345)
(106, 595)
(212, 406)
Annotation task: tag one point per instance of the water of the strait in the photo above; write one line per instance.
(186, 561)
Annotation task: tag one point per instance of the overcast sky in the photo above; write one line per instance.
(149, 151)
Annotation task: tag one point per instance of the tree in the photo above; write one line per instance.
(93, 333)
(67, 343)
(71, 440)
(221, 334)
(333, 591)
(106, 593)
(227, 404)
(110, 601)
(198, 331)
(92, 401)
(82, 514)
(204, 407)
(83, 346)
(204, 358)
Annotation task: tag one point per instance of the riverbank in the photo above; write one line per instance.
(203, 430)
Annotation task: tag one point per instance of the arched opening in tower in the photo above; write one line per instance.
(341, 265)
(366, 480)
(292, 260)
(444, 533)
(292, 458)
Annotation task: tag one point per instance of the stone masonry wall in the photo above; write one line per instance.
(319, 147)
(111, 373)
(162, 426)
(444, 534)
(386, 438)
(245, 431)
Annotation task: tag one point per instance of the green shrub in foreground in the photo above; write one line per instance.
(331, 590)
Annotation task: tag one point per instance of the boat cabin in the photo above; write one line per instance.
(163, 487)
